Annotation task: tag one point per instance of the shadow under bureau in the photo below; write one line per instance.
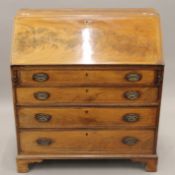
(87, 85)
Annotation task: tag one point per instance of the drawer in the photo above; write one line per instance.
(87, 141)
(82, 95)
(86, 117)
(79, 77)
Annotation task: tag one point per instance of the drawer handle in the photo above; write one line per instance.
(41, 95)
(43, 117)
(131, 117)
(44, 141)
(133, 77)
(132, 95)
(40, 77)
(130, 140)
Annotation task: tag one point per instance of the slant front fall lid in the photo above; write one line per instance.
(89, 36)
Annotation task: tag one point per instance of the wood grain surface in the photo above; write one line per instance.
(83, 95)
(86, 37)
(84, 117)
(86, 141)
(91, 77)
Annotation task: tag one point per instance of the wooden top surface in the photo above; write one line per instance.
(88, 36)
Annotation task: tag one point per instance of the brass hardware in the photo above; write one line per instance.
(87, 21)
(159, 78)
(130, 140)
(43, 117)
(132, 95)
(14, 78)
(40, 77)
(44, 141)
(41, 95)
(131, 117)
(133, 77)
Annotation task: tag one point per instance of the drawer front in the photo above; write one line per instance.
(86, 141)
(36, 96)
(82, 117)
(78, 77)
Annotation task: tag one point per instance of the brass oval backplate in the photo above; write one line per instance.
(130, 140)
(40, 77)
(131, 117)
(43, 117)
(41, 95)
(133, 77)
(132, 95)
(44, 141)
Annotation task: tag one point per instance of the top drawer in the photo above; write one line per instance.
(59, 77)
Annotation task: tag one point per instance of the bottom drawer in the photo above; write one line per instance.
(87, 141)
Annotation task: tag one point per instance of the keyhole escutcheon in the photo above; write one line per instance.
(86, 112)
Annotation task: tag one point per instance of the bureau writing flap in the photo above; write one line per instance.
(128, 36)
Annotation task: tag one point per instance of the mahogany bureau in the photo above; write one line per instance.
(87, 84)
